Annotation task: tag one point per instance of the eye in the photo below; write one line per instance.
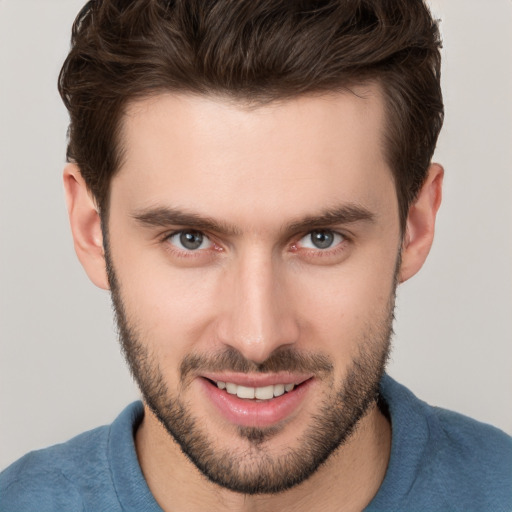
(321, 239)
(190, 240)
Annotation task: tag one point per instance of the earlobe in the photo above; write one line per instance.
(420, 225)
(85, 226)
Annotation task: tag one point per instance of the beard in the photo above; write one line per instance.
(255, 469)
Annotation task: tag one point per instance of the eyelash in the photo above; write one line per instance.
(183, 253)
(328, 256)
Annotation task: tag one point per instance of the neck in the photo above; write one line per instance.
(348, 480)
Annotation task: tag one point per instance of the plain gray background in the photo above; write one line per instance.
(60, 367)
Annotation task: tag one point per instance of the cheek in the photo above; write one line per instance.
(170, 308)
(342, 306)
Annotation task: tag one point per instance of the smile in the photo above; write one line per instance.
(257, 402)
(260, 393)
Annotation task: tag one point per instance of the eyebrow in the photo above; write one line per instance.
(346, 214)
(163, 216)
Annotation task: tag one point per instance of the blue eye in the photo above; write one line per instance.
(321, 239)
(190, 240)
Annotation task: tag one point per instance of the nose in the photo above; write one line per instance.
(258, 315)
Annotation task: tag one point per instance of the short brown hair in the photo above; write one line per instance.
(256, 51)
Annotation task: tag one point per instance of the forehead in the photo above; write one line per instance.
(215, 156)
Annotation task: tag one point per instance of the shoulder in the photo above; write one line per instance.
(477, 452)
(81, 473)
(468, 463)
(443, 460)
(464, 432)
(452, 432)
(50, 479)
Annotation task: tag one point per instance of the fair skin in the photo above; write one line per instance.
(263, 177)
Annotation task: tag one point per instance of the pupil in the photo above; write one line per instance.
(191, 239)
(322, 239)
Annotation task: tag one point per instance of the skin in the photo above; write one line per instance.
(260, 286)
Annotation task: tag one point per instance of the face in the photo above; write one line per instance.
(252, 258)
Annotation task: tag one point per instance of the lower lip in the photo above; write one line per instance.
(252, 413)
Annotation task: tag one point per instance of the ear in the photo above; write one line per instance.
(421, 219)
(85, 226)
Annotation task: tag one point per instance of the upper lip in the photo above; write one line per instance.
(257, 380)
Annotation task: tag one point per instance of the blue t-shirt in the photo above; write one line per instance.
(440, 461)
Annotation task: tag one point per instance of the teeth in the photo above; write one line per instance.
(243, 392)
(279, 389)
(265, 393)
(231, 388)
(262, 393)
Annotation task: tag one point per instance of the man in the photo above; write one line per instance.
(251, 180)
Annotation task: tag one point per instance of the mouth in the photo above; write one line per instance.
(255, 393)
(257, 402)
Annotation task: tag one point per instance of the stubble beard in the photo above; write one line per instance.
(255, 470)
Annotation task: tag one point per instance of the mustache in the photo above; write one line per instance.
(231, 360)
